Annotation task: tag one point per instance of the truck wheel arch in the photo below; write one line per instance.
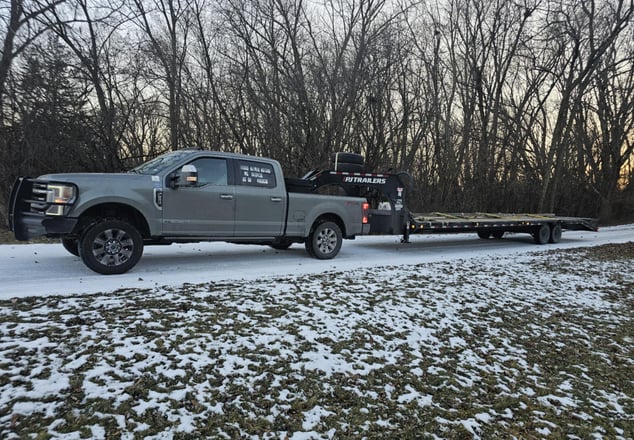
(119, 211)
(329, 218)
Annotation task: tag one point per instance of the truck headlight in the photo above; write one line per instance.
(58, 196)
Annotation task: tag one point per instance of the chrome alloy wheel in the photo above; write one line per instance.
(112, 247)
(327, 240)
(324, 240)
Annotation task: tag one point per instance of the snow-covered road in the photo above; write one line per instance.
(47, 269)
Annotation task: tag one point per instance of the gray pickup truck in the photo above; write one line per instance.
(179, 197)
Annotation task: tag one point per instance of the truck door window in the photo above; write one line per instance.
(211, 171)
(258, 174)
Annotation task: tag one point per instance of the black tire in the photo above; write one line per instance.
(484, 235)
(324, 240)
(281, 245)
(555, 234)
(349, 167)
(111, 247)
(497, 234)
(542, 234)
(352, 158)
(71, 245)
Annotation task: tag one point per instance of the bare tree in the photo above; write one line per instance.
(18, 29)
(486, 39)
(19, 17)
(583, 33)
(491, 105)
(89, 30)
(604, 126)
(165, 24)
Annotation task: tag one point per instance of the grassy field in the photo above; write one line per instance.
(534, 346)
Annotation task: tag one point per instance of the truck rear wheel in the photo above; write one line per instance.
(111, 247)
(324, 240)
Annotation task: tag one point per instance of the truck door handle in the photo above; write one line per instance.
(226, 196)
(276, 199)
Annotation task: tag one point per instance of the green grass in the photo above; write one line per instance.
(456, 350)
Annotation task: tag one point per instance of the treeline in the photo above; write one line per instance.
(491, 105)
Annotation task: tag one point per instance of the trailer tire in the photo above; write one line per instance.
(497, 234)
(484, 235)
(324, 241)
(542, 234)
(349, 167)
(555, 233)
(111, 247)
(71, 245)
(352, 158)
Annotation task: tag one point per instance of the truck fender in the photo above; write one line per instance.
(334, 212)
(103, 207)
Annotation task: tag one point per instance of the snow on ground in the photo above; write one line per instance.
(447, 337)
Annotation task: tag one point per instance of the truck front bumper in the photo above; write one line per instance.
(27, 224)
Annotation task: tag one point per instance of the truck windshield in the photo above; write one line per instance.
(160, 163)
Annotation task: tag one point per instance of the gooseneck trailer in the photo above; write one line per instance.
(388, 213)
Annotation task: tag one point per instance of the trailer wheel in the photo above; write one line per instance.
(484, 235)
(111, 247)
(555, 234)
(324, 240)
(71, 245)
(542, 234)
(497, 234)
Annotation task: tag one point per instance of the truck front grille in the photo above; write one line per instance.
(38, 198)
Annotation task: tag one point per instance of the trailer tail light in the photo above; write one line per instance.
(365, 207)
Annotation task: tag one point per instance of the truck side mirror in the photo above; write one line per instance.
(188, 176)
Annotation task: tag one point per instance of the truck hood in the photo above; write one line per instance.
(97, 177)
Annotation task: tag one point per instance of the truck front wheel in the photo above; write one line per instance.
(71, 245)
(324, 240)
(111, 247)
(281, 245)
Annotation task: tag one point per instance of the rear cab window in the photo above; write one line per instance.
(255, 174)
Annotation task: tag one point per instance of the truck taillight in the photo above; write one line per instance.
(365, 207)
